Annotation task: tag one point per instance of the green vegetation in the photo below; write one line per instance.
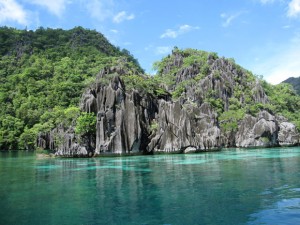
(44, 72)
(144, 84)
(283, 101)
(185, 58)
(242, 89)
(295, 82)
(167, 70)
(86, 124)
(229, 119)
(154, 126)
(42, 76)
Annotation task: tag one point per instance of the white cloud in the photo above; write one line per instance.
(287, 27)
(158, 50)
(148, 48)
(105, 9)
(100, 9)
(114, 31)
(127, 43)
(162, 50)
(228, 18)
(56, 7)
(294, 8)
(10, 10)
(121, 16)
(266, 1)
(283, 63)
(169, 33)
(269, 2)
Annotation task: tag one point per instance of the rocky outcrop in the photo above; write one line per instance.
(185, 128)
(123, 120)
(260, 131)
(266, 130)
(287, 135)
(138, 122)
(65, 143)
(129, 122)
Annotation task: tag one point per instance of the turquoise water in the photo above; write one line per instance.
(254, 186)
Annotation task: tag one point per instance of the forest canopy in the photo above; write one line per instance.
(42, 76)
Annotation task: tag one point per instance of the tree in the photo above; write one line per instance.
(44, 72)
(86, 124)
(86, 128)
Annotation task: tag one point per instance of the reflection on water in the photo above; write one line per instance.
(286, 210)
(234, 186)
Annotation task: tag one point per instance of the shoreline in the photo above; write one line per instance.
(44, 154)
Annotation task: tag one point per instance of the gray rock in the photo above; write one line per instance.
(132, 122)
(260, 131)
(288, 135)
(185, 127)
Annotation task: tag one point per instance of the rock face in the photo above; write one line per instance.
(266, 130)
(123, 119)
(132, 122)
(260, 131)
(128, 122)
(183, 127)
(64, 142)
(288, 135)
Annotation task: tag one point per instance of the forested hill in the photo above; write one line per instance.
(42, 76)
(196, 100)
(295, 82)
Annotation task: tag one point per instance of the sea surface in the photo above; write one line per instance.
(233, 186)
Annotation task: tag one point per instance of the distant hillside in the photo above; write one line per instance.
(295, 82)
(43, 73)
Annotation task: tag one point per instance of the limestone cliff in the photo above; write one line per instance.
(199, 110)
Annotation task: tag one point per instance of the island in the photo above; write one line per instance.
(55, 98)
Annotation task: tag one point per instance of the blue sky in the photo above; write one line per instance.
(261, 35)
